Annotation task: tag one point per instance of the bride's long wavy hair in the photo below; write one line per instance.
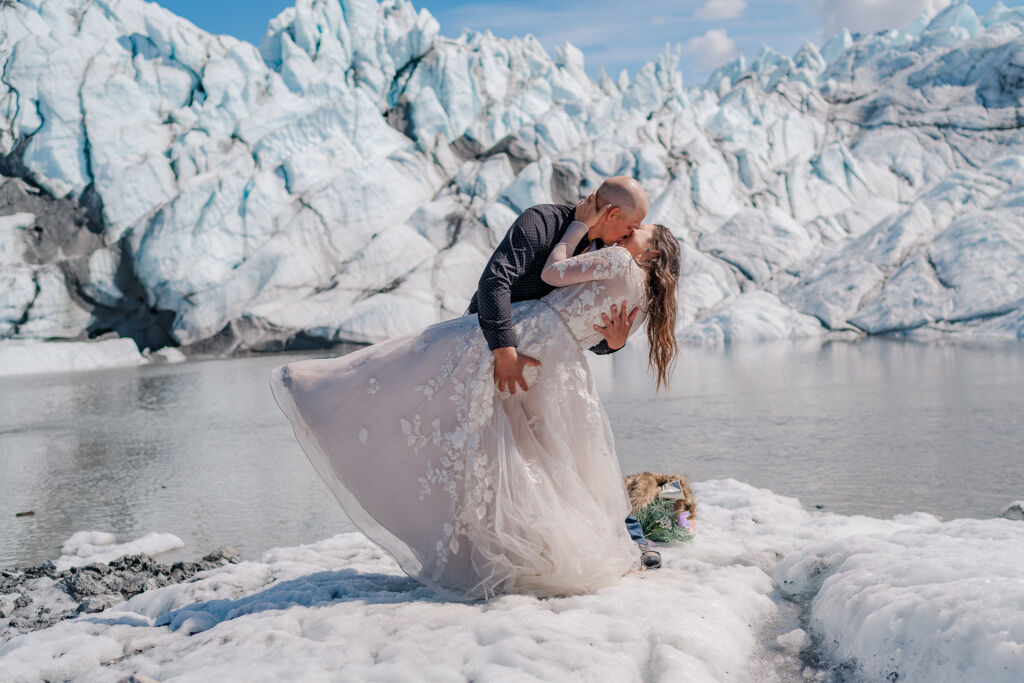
(662, 276)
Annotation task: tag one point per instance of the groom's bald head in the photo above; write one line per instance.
(630, 200)
(625, 193)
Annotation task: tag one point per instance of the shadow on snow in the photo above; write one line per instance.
(315, 590)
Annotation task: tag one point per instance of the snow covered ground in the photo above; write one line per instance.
(31, 357)
(26, 357)
(88, 547)
(767, 591)
(347, 179)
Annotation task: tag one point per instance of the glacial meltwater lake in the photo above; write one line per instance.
(199, 449)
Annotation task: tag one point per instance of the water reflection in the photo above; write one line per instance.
(877, 427)
(200, 450)
(197, 449)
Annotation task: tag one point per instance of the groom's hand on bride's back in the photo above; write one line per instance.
(508, 368)
(616, 326)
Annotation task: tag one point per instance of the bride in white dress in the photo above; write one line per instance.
(475, 491)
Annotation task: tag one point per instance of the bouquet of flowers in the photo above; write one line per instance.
(662, 524)
(664, 506)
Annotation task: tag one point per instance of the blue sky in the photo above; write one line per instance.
(622, 35)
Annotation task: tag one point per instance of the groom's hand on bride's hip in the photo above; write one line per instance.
(616, 326)
(508, 368)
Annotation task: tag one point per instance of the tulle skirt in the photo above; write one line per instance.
(473, 491)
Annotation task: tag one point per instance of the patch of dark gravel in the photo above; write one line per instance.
(37, 597)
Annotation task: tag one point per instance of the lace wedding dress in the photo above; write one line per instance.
(473, 491)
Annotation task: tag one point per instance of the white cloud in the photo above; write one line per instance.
(616, 34)
(869, 16)
(714, 48)
(722, 9)
(610, 33)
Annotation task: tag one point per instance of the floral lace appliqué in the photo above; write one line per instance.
(463, 398)
(581, 304)
(432, 386)
(594, 265)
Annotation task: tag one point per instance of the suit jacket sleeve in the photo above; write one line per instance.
(529, 236)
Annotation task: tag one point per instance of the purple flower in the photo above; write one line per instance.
(684, 520)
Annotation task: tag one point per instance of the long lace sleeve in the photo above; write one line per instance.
(594, 265)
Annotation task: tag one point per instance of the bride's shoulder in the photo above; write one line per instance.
(620, 256)
(621, 261)
(609, 262)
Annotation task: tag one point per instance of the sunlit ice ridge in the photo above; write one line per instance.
(347, 179)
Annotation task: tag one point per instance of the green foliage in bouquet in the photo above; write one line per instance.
(661, 524)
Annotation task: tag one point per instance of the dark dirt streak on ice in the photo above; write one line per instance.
(91, 588)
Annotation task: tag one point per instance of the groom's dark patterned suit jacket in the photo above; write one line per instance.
(513, 273)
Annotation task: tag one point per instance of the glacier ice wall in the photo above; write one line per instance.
(347, 179)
